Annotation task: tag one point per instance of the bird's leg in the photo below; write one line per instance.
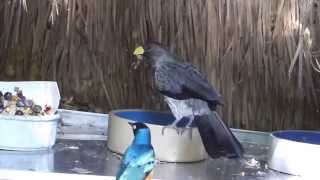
(173, 126)
(191, 119)
(188, 126)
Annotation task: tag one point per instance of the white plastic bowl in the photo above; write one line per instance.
(28, 134)
(169, 147)
(295, 152)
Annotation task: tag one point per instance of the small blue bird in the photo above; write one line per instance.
(139, 158)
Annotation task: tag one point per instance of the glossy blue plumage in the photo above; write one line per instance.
(139, 158)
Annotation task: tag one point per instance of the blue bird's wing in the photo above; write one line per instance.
(136, 163)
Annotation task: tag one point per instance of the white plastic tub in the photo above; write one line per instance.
(169, 147)
(26, 133)
(295, 152)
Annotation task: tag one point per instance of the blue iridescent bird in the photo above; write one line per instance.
(139, 158)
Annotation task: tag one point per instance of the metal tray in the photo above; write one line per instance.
(27, 160)
(90, 156)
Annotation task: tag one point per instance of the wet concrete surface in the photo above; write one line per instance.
(92, 157)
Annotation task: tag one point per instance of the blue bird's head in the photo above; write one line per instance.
(141, 133)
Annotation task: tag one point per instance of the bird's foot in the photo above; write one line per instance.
(189, 129)
(171, 126)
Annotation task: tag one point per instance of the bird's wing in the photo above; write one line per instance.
(184, 81)
(137, 162)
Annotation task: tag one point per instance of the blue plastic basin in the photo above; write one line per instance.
(299, 136)
(158, 118)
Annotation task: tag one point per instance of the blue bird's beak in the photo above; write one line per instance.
(133, 126)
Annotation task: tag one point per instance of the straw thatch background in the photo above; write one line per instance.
(261, 55)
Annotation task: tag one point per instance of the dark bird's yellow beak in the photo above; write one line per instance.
(138, 52)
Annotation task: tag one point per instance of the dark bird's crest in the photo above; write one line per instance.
(153, 44)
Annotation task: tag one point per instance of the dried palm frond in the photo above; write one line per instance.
(23, 3)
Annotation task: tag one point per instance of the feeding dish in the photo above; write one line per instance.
(295, 152)
(27, 132)
(169, 147)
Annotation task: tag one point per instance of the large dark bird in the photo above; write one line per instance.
(189, 95)
(139, 159)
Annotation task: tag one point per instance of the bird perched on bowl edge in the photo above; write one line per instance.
(190, 95)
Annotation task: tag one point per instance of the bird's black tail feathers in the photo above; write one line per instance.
(217, 138)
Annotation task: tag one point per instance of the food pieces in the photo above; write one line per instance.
(36, 109)
(18, 104)
(1, 108)
(7, 96)
(28, 103)
(18, 112)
